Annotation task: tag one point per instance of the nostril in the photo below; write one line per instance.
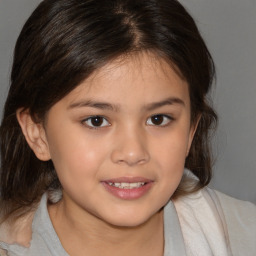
(129, 159)
(130, 150)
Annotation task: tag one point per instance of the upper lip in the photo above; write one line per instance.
(128, 180)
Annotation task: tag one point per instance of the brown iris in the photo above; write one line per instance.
(97, 121)
(157, 119)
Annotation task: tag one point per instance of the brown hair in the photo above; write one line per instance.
(61, 44)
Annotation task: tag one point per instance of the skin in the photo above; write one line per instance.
(129, 142)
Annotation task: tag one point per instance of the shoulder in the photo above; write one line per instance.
(18, 231)
(237, 209)
(235, 206)
(32, 234)
(15, 236)
(215, 212)
(240, 219)
(238, 214)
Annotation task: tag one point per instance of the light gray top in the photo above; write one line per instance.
(45, 241)
(44, 238)
(203, 223)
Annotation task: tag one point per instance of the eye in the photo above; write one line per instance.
(96, 122)
(159, 120)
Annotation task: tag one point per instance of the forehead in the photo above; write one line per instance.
(143, 76)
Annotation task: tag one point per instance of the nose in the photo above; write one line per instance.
(130, 148)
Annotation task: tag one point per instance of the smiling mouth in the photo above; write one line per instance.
(126, 185)
(128, 188)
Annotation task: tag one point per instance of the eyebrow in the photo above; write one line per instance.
(94, 104)
(114, 107)
(168, 101)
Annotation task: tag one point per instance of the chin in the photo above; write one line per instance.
(128, 224)
(131, 220)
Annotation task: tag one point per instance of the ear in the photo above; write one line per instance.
(192, 132)
(34, 134)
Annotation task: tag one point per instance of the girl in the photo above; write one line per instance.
(105, 133)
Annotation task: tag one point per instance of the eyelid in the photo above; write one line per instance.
(167, 120)
(88, 122)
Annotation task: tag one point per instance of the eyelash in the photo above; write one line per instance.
(167, 119)
(91, 126)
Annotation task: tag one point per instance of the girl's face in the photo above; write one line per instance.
(119, 140)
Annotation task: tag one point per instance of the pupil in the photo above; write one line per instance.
(157, 120)
(97, 121)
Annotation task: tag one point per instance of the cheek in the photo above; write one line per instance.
(171, 149)
(76, 158)
(170, 153)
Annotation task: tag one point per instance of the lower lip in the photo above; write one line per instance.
(128, 194)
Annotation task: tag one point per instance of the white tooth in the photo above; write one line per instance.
(124, 184)
(140, 184)
(134, 185)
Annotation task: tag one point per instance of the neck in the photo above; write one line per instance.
(85, 233)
